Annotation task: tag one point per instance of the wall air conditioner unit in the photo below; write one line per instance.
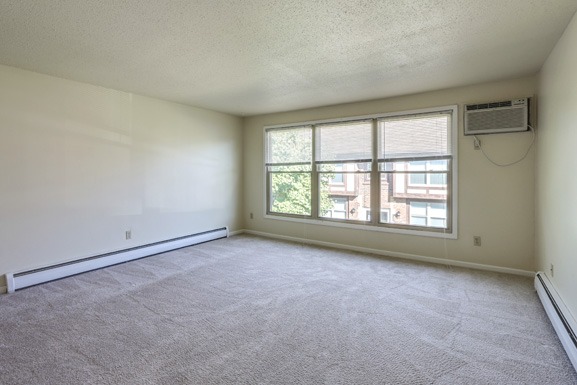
(497, 117)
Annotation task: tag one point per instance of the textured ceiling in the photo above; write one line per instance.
(249, 57)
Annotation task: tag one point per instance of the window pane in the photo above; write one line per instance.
(416, 136)
(418, 221)
(438, 179)
(348, 200)
(338, 209)
(431, 214)
(290, 193)
(385, 214)
(436, 222)
(337, 176)
(426, 185)
(420, 165)
(291, 145)
(344, 141)
(437, 165)
(438, 210)
(417, 179)
(419, 209)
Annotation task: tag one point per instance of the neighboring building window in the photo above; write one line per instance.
(338, 177)
(384, 218)
(338, 209)
(430, 178)
(385, 215)
(327, 171)
(428, 214)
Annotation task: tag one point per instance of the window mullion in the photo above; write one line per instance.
(314, 176)
(268, 191)
(375, 177)
(449, 202)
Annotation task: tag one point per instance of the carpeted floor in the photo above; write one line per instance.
(248, 310)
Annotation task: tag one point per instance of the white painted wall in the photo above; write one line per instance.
(81, 164)
(556, 164)
(494, 203)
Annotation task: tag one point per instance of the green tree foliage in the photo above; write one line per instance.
(291, 193)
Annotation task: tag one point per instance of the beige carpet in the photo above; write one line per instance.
(248, 310)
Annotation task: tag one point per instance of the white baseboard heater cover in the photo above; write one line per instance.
(561, 319)
(21, 280)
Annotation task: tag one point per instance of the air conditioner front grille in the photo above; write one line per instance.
(484, 106)
(503, 119)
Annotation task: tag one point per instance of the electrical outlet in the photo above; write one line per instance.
(552, 270)
(128, 234)
(476, 144)
(251, 216)
(476, 240)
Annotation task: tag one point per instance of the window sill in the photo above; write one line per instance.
(356, 226)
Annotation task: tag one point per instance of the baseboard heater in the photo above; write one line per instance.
(561, 319)
(21, 280)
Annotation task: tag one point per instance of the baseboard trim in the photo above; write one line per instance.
(24, 279)
(236, 232)
(563, 322)
(396, 254)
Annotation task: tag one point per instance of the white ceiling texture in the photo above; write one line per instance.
(248, 57)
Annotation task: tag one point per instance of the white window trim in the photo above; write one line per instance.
(453, 234)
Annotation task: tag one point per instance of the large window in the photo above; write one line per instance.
(393, 171)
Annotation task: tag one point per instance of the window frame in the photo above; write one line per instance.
(374, 224)
(270, 173)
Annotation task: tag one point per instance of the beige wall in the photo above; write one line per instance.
(81, 164)
(494, 203)
(556, 165)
